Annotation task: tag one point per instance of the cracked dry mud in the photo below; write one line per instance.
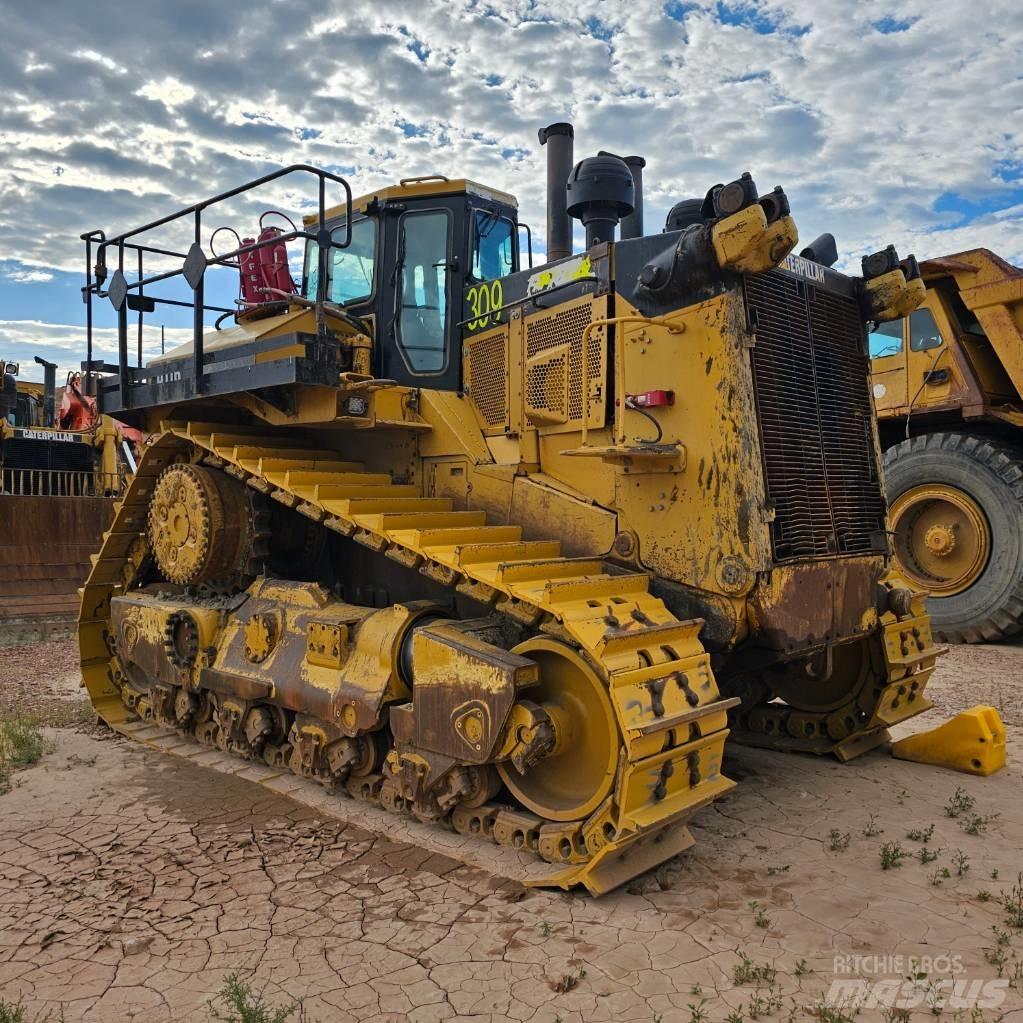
(132, 882)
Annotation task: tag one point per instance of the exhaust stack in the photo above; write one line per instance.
(49, 391)
(559, 138)
(632, 224)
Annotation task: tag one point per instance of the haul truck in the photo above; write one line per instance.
(948, 385)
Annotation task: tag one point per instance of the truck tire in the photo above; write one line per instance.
(957, 517)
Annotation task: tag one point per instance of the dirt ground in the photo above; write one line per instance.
(132, 883)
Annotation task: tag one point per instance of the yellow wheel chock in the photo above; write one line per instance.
(972, 742)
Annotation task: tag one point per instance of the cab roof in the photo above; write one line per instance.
(410, 188)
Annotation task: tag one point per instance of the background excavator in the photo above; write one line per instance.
(514, 549)
(948, 384)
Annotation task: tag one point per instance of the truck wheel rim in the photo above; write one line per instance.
(942, 538)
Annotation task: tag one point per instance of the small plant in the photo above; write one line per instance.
(1012, 903)
(803, 968)
(840, 840)
(892, 855)
(779, 870)
(959, 804)
(829, 1013)
(760, 917)
(974, 824)
(696, 989)
(926, 855)
(545, 928)
(962, 862)
(748, 972)
(735, 1017)
(872, 829)
(697, 1013)
(921, 834)
(994, 874)
(997, 957)
(902, 797)
(1016, 980)
(764, 1004)
(940, 876)
(243, 1004)
(983, 895)
(896, 1016)
(21, 744)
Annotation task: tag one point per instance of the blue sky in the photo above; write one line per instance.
(884, 122)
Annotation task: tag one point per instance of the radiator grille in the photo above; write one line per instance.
(488, 377)
(567, 327)
(810, 375)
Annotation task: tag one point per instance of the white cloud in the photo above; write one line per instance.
(880, 121)
(169, 91)
(64, 344)
(29, 276)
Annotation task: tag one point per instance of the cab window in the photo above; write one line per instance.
(886, 339)
(923, 331)
(493, 253)
(351, 268)
(967, 318)
(423, 289)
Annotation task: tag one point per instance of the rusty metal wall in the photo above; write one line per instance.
(45, 543)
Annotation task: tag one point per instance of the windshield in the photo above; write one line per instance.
(886, 339)
(493, 253)
(351, 269)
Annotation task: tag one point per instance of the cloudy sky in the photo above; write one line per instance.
(884, 121)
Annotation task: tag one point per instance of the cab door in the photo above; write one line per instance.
(930, 371)
(888, 366)
(425, 244)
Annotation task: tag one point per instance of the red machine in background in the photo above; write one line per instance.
(77, 410)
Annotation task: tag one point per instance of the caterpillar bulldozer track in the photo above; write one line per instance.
(513, 550)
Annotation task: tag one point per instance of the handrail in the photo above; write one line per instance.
(25, 482)
(193, 269)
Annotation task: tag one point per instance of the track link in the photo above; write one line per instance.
(672, 720)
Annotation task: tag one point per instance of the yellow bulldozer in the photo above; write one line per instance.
(948, 384)
(513, 549)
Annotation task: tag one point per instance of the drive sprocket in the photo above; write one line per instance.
(197, 524)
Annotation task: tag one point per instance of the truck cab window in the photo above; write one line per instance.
(967, 318)
(886, 339)
(424, 261)
(351, 268)
(493, 252)
(923, 331)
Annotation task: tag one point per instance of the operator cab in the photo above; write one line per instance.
(418, 256)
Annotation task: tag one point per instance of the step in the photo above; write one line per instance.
(390, 522)
(335, 499)
(495, 554)
(351, 507)
(293, 478)
(203, 431)
(455, 537)
(232, 439)
(272, 451)
(555, 568)
(596, 588)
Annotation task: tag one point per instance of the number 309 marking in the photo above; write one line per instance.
(484, 300)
